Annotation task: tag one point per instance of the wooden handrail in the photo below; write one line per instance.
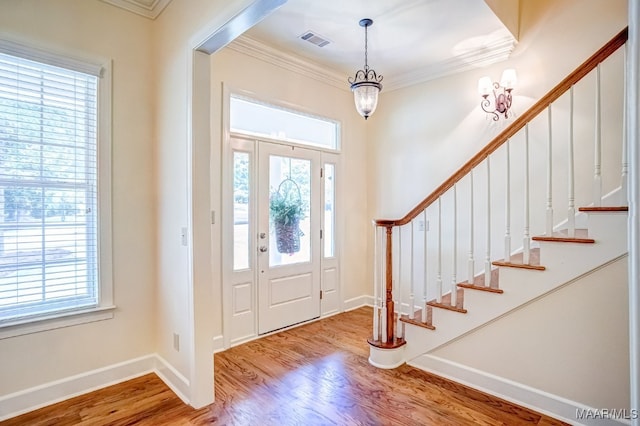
(584, 69)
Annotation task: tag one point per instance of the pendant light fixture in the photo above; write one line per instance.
(366, 85)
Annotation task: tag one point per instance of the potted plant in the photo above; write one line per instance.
(286, 210)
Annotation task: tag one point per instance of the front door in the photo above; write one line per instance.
(288, 237)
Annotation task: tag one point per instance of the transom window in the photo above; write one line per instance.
(49, 233)
(253, 118)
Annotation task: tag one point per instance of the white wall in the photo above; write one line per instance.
(279, 85)
(98, 29)
(572, 343)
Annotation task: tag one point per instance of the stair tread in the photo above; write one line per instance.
(446, 302)
(604, 209)
(478, 282)
(517, 261)
(416, 320)
(581, 236)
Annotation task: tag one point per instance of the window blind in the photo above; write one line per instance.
(48, 185)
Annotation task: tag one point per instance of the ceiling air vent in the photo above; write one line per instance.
(314, 38)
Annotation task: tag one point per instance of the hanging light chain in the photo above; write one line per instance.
(366, 45)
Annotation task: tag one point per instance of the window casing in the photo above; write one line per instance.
(55, 231)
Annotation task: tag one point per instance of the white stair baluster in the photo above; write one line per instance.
(507, 204)
(571, 213)
(383, 323)
(412, 282)
(399, 309)
(597, 172)
(487, 259)
(454, 283)
(625, 147)
(526, 239)
(424, 291)
(471, 267)
(549, 224)
(383, 284)
(376, 263)
(439, 272)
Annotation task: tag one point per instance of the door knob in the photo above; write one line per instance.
(263, 235)
(263, 249)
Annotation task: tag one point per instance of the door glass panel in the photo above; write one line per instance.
(240, 210)
(289, 210)
(329, 209)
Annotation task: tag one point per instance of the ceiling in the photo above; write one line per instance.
(410, 41)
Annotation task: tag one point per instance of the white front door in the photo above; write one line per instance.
(288, 235)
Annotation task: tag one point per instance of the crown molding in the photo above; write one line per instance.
(256, 49)
(495, 52)
(149, 9)
(498, 51)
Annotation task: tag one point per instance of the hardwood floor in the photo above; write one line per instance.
(316, 374)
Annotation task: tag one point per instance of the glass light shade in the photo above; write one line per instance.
(366, 98)
(485, 86)
(509, 79)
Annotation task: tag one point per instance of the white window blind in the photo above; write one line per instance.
(48, 189)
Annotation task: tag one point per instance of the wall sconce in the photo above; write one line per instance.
(501, 101)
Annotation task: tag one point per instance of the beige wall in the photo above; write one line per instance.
(98, 29)
(572, 343)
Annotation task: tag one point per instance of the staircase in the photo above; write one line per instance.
(452, 263)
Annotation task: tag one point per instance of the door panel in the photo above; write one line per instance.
(288, 236)
(291, 289)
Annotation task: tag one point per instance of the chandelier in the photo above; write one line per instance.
(366, 85)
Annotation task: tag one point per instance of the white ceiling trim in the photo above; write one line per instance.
(497, 51)
(266, 53)
(147, 8)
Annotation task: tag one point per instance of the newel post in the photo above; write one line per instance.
(389, 286)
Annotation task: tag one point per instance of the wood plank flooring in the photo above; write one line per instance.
(316, 374)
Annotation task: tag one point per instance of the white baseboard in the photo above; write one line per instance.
(40, 396)
(517, 393)
(357, 302)
(218, 344)
(172, 378)
(26, 400)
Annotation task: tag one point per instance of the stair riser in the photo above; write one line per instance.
(603, 225)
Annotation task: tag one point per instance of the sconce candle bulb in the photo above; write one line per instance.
(500, 103)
